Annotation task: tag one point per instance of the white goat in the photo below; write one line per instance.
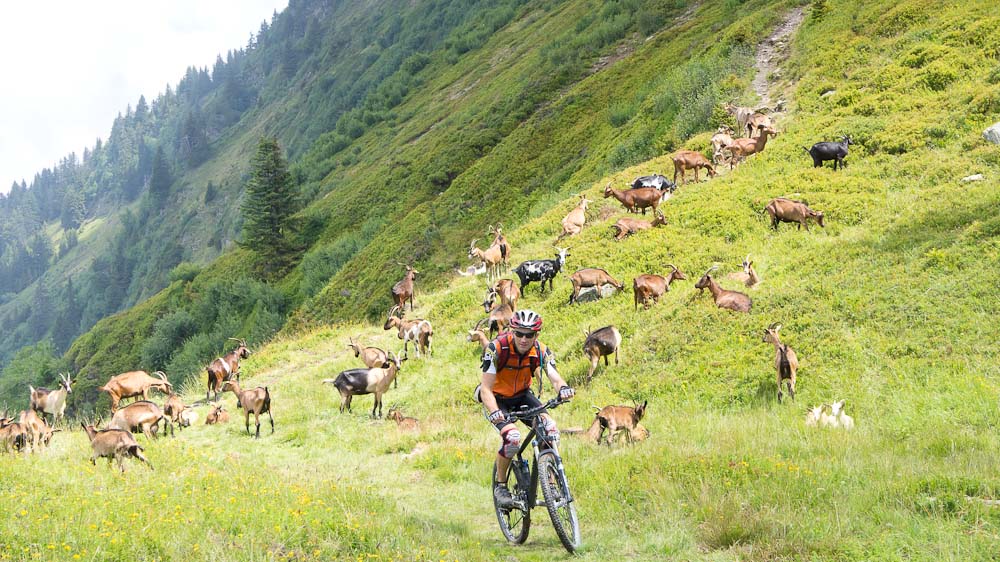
(837, 411)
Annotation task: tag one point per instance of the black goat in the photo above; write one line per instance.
(540, 270)
(823, 151)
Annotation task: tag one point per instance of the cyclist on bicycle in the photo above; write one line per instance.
(509, 364)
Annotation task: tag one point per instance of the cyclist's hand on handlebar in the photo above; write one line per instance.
(497, 418)
(566, 392)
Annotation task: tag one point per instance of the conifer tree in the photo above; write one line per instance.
(268, 207)
(159, 181)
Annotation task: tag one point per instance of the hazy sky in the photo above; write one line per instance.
(68, 68)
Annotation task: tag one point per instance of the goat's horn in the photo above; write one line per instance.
(672, 266)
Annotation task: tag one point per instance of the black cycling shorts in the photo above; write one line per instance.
(526, 400)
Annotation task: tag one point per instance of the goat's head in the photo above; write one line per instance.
(747, 265)
(490, 300)
(394, 414)
(771, 333)
(392, 320)
(562, 254)
(241, 348)
(659, 219)
(355, 346)
(706, 279)
(846, 140)
(818, 215)
(675, 273)
(472, 248)
(584, 201)
(66, 382)
(640, 411)
(608, 191)
(837, 407)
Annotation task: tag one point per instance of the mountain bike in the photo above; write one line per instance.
(546, 470)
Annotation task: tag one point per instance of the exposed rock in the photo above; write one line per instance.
(828, 93)
(589, 294)
(974, 177)
(993, 134)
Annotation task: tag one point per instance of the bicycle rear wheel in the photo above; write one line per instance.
(515, 522)
(555, 490)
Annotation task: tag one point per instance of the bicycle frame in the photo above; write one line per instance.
(540, 445)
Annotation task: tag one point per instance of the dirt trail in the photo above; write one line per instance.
(773, 51)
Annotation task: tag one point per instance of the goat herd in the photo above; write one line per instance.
(31, 430)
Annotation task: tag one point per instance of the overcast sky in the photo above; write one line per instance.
(69, 67)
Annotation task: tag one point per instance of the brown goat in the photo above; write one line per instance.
(573, 222)
(635, 199)
(173, 412)
(491, 257)
(256, 401)
(402, 422)
(601, 343)
(720, 140)
(500, 315)
(115, 444)
(685, 160)
(748, 276)
(476, 335)
(759, 122)
(742, 115)
(786, 210)
(13, 435)
(38, 432)
(370, 356)
(501, 242)
(226, 367)
(628, 226)
(591, 277)
(419, 331)
(732, 300)
(741, 148)
(403, 289)
(143, 415)
(508, 292)
(651, 287)
(617, 419)
(133, 384)
(217, 415)
(785, 361)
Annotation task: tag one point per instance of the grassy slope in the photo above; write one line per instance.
(891, 306)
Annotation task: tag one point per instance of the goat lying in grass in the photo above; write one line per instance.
(402, 421)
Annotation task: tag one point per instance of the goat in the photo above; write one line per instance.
(835, 151)
(748, 276)
(628, 226)
(759, 122)
(52, 402)
(500, 241)
(508, 292)
(813, 415)
(648, 286)
(37, 431)
(616, 419)
(256, 401)
(402, 421)
(541, 270)
(573, 222)
(370, 356)
(601, 343)
(635, 199)
(685, 160)
(367, 381)
(786, 210)
(226, 367)
(732, 300)
(173, 412)
(785, 361)
(658, 181)
(13, 435)
(499, 314)
(142, 415)
(741, 113)
(217, 415)
(115, 444)
(720, 140)
(739, 149)
(419, 331)
(591, 277)
(837, 413)
(476, 335)
(472, 270)
(492, 257)
(133, 384)
(403, 289)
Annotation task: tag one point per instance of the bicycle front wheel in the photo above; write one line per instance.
(515, 522)
(559, 502)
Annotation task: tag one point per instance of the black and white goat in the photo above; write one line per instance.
(658, 181)
(52, 402)
(541, 270)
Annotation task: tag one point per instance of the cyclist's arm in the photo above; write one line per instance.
(550, 370)
(486, 392)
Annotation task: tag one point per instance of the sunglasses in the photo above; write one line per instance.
(524, 335)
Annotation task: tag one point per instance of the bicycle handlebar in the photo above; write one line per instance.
(528, 414)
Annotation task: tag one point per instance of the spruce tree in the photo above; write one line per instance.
(268, 207)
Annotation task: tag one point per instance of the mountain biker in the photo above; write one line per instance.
(509, 364)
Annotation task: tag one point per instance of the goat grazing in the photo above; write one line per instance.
(141, 415)
(508, 292)
(367, 381)
(402, 422)
(685, 160)
(36, 430)
(648, 287)
(173, 412)
(628, 226)
(759, 122)
(786, 210)
(256, 401)
(616, 419)
(13, 435)
(226, 367)
(601, 343)
(133, 384)
(52, 402)
(836, 151)
(573, 222)
(115, 444)
(721, 140)
(541, 270)
(785, 361)
(739, 149)
(418, 330)
(635, 199)
(403, 289)
(742, 115)
(748, 276)
(217, 415)
(491, 257)
(499, 314)
(732, 300)
(476, 335)
(591, 277)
